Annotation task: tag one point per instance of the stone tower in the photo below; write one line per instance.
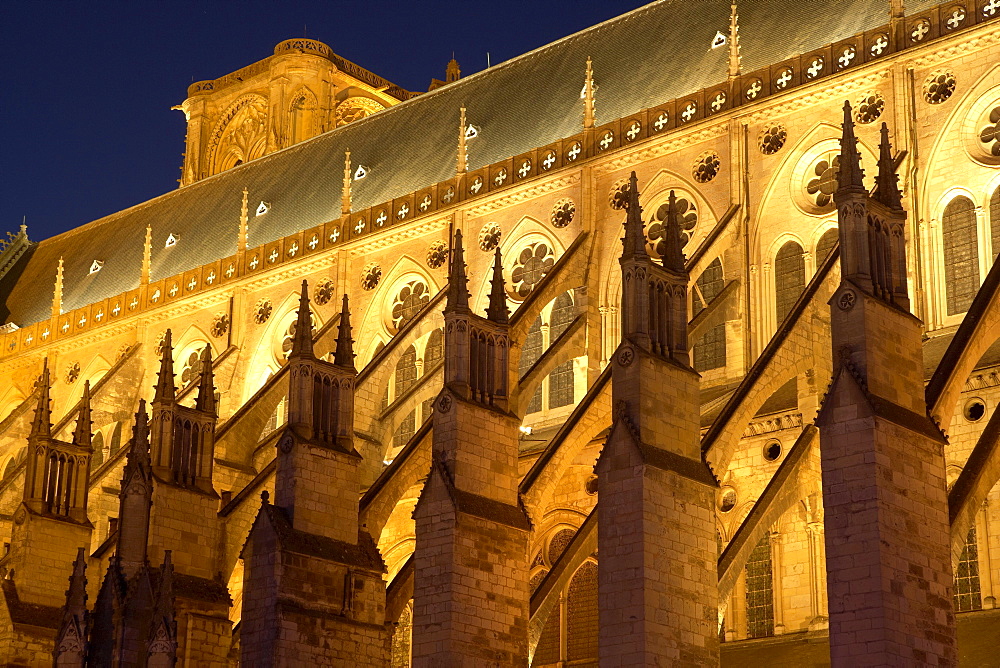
(657, 593)
(470, 562)
(313, 587)
(889, 571)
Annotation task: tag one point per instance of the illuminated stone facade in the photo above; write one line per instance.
(256, 468)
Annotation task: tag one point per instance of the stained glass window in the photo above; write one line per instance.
(995, 221)
(967, 592)
(530, 353)
(561, 379)
(582, 623)
(789, 278)
(826, 244)
(961, 254)
(710, 348)
(760, 591)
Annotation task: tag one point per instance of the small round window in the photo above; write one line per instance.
(727, 500)
(772, 450)
(974, 409)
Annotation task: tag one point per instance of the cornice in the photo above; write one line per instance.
(368, 244)
(525, 193)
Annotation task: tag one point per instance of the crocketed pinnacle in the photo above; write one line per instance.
(344, 356)
(887, 181)
(461, 164)
(137, 456)
(345, 197)
(76, 595)
(302, 342)
(673, 253)
(851, 177)
(634, 241)
(82, 434)
(206, 385)
(165, 388)
(458, 282)
(163, 607)
(42, 424)
(497, 310)
(243, 242)
(735, 60)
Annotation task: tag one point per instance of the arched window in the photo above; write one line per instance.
(826, 244)
(116, 438)
(760, 591)
(789, 278)
(995, 221)
(406, 429)
(98, 444)
(961, 254)
(581, 612)
(710, 348)
(967, 593)
(433, 354)
(406, 371)
(561, 379)
(530, 352)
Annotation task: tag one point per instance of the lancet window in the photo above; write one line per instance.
(530, 352)
(968, 595)
(789, 278)
(826, 244)
(961, 254)
(760, 591)
(710, 348)
(561, 378)
(995, 221)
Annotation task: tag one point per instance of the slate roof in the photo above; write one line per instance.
(644, 58)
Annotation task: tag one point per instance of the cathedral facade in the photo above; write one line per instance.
(673, 342)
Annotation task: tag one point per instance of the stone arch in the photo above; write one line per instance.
(373, 324)
(262, 363)
(240, 134)
(303, 119)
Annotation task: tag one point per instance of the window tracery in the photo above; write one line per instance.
(289, 335)
(370, 276)
(489, 237)
(990, 135)
(437, 254)
(324, 292)
(772, 139)
(687, 214)
(408, 301)
(995, 221)
(220, 325)
(563, 212)
(356, 108)
(760, 591)
(710, 348)
(706, 167)
(939, 86)
(561, 380)
(192, 368)
(968, 595)
(531, 350)
(262, 311)
(869, 108)
(618, 197)
(530, 267)
(961, 254)
(822, 182)
(240, 135)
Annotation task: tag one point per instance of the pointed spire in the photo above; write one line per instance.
(634, 241)
(589, 115)
(345, 344)
(244, 240)
(82, 436)
(137, 456)
(735, 59)
(851, 176)
(147, 256)
(57, 295)
(165, 388)
(887, 181)
(71, 639)
(463, 156)
(76, 595)
(673, 253)
(458, 282)
(345, 197)
(497, 310)
(452, 72)
(41, 426)
(206, 386)
(163, 608)
(302, 342)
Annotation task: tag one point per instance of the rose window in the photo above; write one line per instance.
(619, 195)
(192, 368)
(532, 264)
(262, 311)
(706, 168)
(286, 340)
(370, 276)
(563, 212)
(869, 108)
(73, 373)
(772, 139)
(991, 133)
(437, 254)
(938, 87)
(489, 237)
(220, 325)
(687, 215)
(410, 299)
(324, 292)
(823, 182)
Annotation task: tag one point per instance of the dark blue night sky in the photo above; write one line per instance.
(86, 87)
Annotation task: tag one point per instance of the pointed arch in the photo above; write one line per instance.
(302, 115)
(374, 324)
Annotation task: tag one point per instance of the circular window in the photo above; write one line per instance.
(563, 212)
(370, 276)
(687, 215)
(324, 292)
(772, 139)
(591, 485)
(974, 409)
(618, 198)
(939, 86)
(531, 266)
(990, 135)
(822, 180)
(262, 311)
(727, 499)
(489, 237)
(706, 168)
(772, 450)
(220, 325)
(73, 372)
(869, 108)
(437, 255)
(409, 300)
(289, 335)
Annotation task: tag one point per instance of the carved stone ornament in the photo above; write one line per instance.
(20, 515)
(444, 403)
(324, 292)
(626, 356)
(847, 300)
(286, 443)
(262, 311)
(220, 325)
